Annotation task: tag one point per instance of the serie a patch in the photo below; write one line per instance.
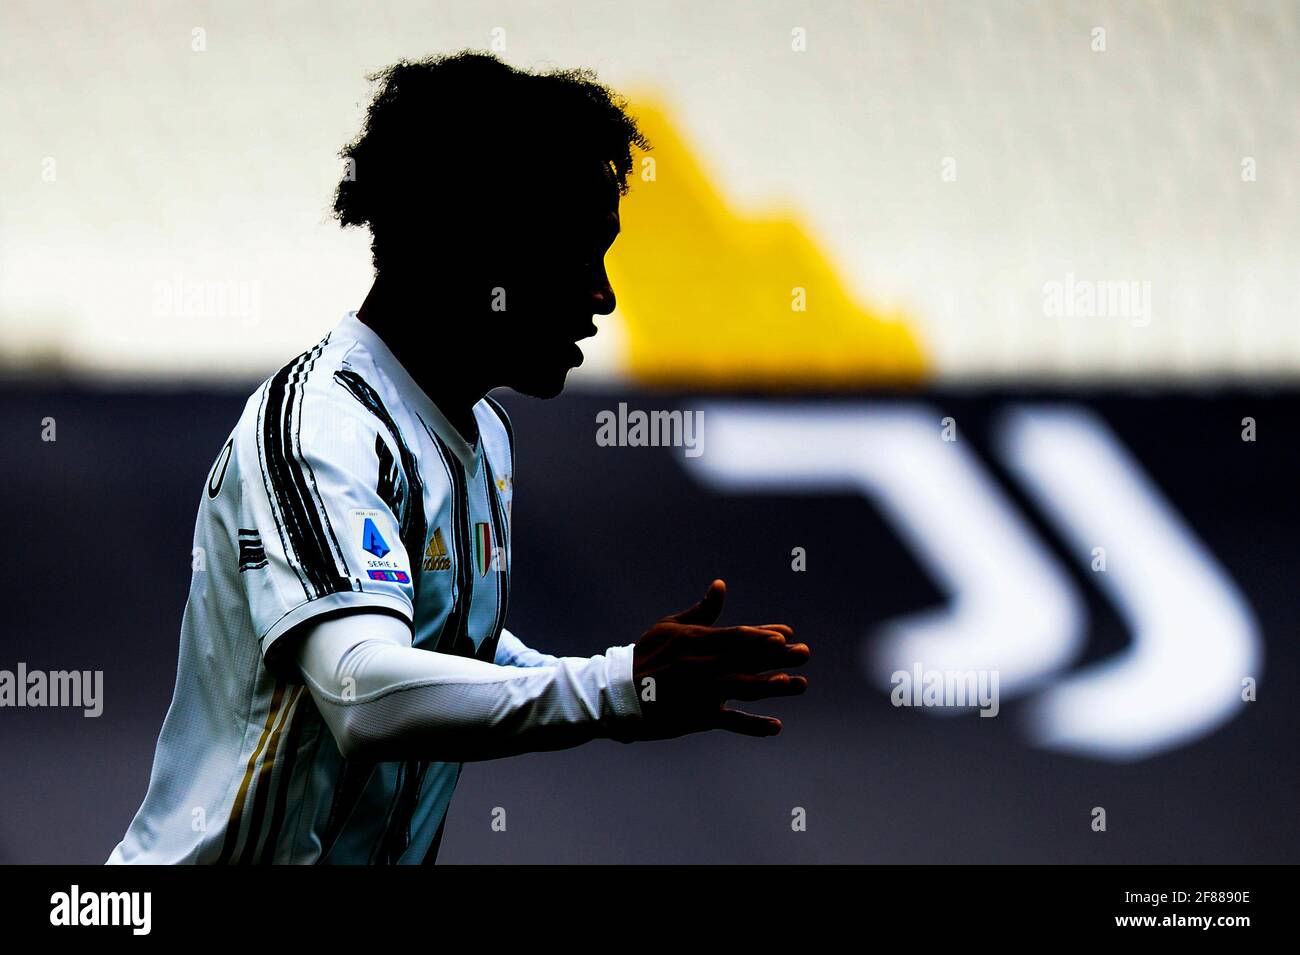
(373, 540)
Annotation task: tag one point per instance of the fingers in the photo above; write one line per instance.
(744, 650)
(796, 655)
(732, 639)
(751, 687)
(720, 639)
(707, 610)
(746, 724)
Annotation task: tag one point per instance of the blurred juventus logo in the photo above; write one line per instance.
(1010, 605)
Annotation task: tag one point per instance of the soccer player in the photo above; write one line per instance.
(343, 649)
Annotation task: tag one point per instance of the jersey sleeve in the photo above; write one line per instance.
(384, 700)
(324, 519)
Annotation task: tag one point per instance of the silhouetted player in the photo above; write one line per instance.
(343, 649)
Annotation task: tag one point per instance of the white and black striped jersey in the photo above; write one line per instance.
(341, 487)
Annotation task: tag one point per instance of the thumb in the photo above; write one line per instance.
(708, 610)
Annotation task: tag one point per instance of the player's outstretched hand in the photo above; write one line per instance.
(697, 667)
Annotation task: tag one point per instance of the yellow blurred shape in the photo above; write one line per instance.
(707, 297)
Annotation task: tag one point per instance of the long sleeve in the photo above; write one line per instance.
(513, 652)
(384, 699)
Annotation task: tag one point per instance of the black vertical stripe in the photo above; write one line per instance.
(285, 490)
(235, 824)
(287, 486)
(488, 650)
(505, 421)
(386, 484)
(266, 480)
(412, 525)
(455, 637)
(351, 784)
(265, 779)
(315, 501)
(285, 782)
(431, 854)
(389, 848)
(497, 508)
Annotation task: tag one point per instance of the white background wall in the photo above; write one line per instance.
(218, 166)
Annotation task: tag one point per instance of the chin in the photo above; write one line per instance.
(542, 386)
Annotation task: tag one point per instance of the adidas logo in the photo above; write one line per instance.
(436, 556)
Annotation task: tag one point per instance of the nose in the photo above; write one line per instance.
(602, 295)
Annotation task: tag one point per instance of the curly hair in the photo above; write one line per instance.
(453, 132)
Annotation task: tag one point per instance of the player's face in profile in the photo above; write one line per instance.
(558, 281)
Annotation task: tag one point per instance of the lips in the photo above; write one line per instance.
(575, 353)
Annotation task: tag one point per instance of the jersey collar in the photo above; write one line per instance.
(383, 357)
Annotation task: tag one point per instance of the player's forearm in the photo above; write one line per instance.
(388, 702)
(513, 652)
